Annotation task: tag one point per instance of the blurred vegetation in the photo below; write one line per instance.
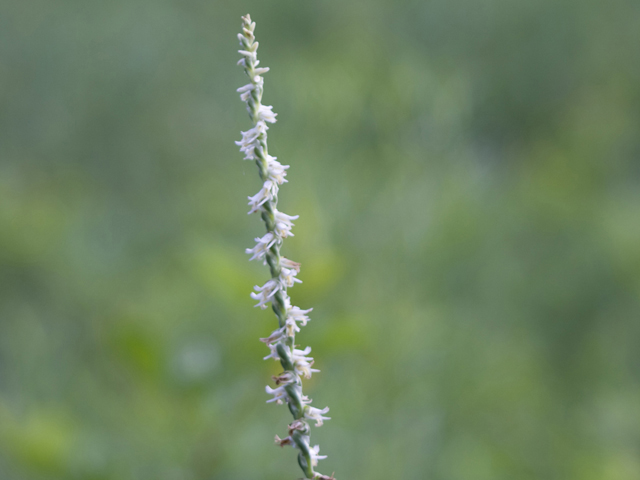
(467, 177)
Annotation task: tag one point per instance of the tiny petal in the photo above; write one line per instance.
(266, 292)
(273, 354)
(278, 394)
(285, 262)
(274, 337)
(288, 276)
(246, 88)
(265, 112)
(263, 244)
(314, 455)
(283, 224)
(316, 414)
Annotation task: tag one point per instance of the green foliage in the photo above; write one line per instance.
(466, 175)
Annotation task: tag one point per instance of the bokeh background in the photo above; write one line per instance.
(467, 178)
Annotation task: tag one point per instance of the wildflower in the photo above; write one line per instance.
(299, 315)
(245, 92)
(265, 113)
(274, 352)
(288, 276)
(281, 342)
(283, 224)
(249, 141)
(276, 171)
(263, 244)
(275, 336)
(314, 455)
(316, 414)
(267, 193)
(302, 364)
(265, 292)
(278, 394)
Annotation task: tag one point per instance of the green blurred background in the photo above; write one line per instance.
(467, 178)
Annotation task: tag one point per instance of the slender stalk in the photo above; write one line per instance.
(295, 363)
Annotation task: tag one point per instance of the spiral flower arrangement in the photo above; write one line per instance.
(296, 363)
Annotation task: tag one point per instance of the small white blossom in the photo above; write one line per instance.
(278, 394)
(291, 327)
(304, 369)
(250, 140)
(267, 193)
(301, 353)
(314, 455)
(265, 292)
(316, 414)
(302, 364)
(245, 92)
(288, 276)
(274, 337)
(261, 70)
(265, 112)
(251, 56)
(263, 244)
(285, 262)
(276, 171)
(299, 315)
(274, 352)
(283, 224)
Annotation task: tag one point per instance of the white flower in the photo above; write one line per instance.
(301, 353)
(304, 369)
(295, 314)
(314, 455)
(283, 224)
(263, 244)
(265, 112)
(250, 142)
(291, 326)
(265, 292)
(267, 193)
(251, 56)
(275, 170)
(278, 394)
(245, 92)
(285, 262)
(301, 363)
(316, 414)
(288, 276)
(250, 136)
(274, 352)
(274, 337)
(261, 71)
(299, 315)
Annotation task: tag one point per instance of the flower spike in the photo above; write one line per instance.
(281, 342)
